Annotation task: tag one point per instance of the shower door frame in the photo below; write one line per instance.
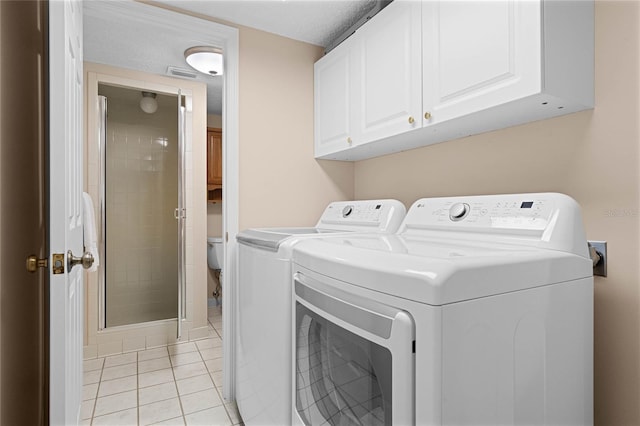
(183, 96)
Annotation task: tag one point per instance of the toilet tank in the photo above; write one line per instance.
(214, 252)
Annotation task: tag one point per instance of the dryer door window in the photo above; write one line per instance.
(353, 358)
(341, 378)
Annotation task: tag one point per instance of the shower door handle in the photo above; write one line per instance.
(86, 260)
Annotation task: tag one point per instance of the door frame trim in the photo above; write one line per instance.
(227, 38)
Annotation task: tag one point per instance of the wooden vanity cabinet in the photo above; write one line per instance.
(214, 164)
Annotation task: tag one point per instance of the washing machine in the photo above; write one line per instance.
(479, 311)
(263, 350)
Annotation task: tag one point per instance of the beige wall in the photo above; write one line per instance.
(214, 120)
(281, 184)
(214, 219)
(593, 157)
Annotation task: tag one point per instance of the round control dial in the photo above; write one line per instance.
(347, 210)
(459, 211)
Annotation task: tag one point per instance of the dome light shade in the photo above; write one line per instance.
(148, 102)
(206, 59)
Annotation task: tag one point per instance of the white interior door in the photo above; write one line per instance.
(65, 211)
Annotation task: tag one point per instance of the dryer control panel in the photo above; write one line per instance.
(534, 218)
(524, 212)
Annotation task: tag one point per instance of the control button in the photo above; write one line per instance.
(347, 210)
(458, 211)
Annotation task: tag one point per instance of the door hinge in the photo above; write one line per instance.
(58, 263)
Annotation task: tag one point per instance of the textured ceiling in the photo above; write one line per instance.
(313, 21)
(129, 43)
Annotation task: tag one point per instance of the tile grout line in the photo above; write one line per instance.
(216, 388)
(172, 366)
(175, 384)
(210, 378)
(113, 394)
(219, 390)
(95, 401)
(138, 388)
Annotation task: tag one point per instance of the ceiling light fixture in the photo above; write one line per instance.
(206, 59)
(148, 103)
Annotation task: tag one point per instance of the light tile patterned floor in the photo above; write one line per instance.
(174, 385)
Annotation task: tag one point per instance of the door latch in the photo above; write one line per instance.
(58, 263)
(33, 263)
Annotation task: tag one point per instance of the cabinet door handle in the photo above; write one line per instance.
(411, 120)
(427, 115)
(349, 141)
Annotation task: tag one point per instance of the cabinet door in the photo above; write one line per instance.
(333, 100)
(390, 84)
(214, 157)
(479, 54)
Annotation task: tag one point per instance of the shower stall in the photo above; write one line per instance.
(146, 174)
(141, 206)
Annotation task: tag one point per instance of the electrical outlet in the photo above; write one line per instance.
(600, 269)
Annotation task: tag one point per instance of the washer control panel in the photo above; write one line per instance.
(367, 212)
(383, 215)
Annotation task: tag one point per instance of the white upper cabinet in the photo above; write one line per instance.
(388, 49)
(420, 73)
(478, 54)
(333, 100)
(368, 87)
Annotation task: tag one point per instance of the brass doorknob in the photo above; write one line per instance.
(86, 260)
(349, 141)
(427, 115)
(411, 120)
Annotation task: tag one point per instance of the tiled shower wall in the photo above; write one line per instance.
(141, 195)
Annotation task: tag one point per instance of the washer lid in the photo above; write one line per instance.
(434, 271)
(340, 216)
(271, 238)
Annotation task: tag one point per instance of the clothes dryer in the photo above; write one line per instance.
(479, 311)
(263, 350)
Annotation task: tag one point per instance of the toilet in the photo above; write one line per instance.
(215, 260)
(214, 254)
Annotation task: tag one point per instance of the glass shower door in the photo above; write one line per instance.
(142, 209)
